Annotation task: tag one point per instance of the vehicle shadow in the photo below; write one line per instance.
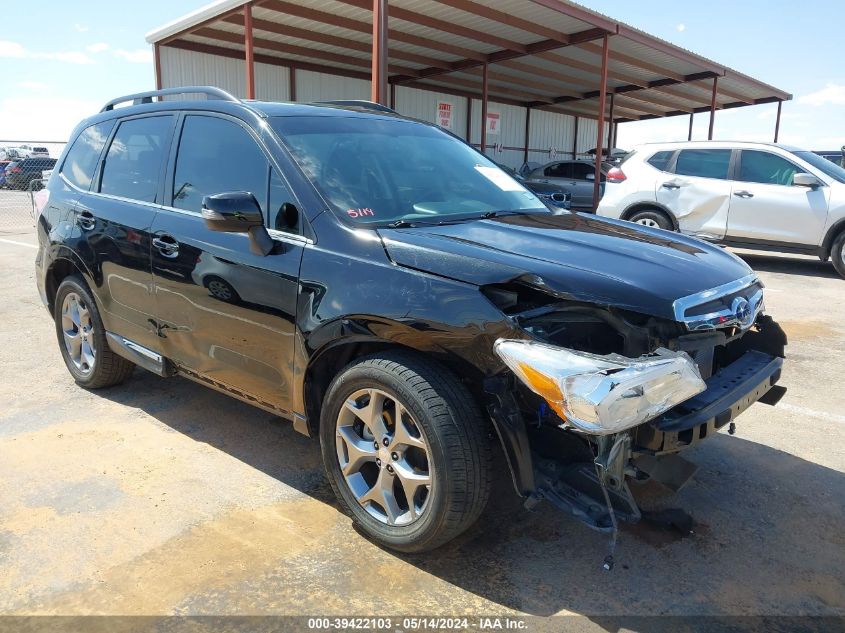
(789, 265)
(767, 536)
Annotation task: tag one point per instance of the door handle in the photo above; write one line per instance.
(743, 194)
(166, 245)
(670, 185)
(86, 220)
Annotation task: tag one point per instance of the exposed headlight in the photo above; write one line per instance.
(602, 394)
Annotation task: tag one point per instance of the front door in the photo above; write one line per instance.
(766, 205)
(226, 313)
(699, 193)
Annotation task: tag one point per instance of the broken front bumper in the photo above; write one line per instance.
(729, 392)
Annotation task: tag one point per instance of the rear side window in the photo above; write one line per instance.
(705, 163)
(661, 159)
(215, 156)
(133, 162)
(580, 170)
(766, 168)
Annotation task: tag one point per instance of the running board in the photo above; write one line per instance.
(140, 355)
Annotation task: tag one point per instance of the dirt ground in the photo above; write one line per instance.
(163, 497)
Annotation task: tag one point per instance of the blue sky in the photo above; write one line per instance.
(64, 60)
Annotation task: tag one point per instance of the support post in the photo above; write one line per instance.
(378, 78)
(393, 96)
(777, 122)
(600, 119)
(610, 127)
(527, 132)
(249, 59)
(469, 120)
(689, 134)
(292, 83)
(713, 108)
(484, 109)
(157, 59)
(575, 139)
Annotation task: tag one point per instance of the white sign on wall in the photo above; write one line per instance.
(444, 114)
(494, 122)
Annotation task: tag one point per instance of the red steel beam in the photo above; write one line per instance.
(777, 122)
(527, 131)
(484, 109)
(600, 119)
(713, 108)
(610, 126)
(292, 83)
(689, 135)
(157, 58)
(249, 52)
(378, 80)
(575, 139)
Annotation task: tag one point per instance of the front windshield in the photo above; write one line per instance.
(381, 171)
(824, 165)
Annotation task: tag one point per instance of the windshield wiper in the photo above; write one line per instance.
(399, 224)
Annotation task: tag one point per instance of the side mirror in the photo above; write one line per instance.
(805, 180)
(590, 176)
(237, 212)
(231, 212)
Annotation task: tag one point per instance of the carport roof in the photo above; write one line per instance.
(540, 53)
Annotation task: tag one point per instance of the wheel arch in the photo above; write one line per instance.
(64, 264)
(333, 357)
(649, 206)
(832, 233)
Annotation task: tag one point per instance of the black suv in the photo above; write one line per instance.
(391, 291)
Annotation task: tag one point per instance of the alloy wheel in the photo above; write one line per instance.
(78, 333)
(384, 457)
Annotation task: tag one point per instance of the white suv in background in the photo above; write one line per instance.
(751, 195)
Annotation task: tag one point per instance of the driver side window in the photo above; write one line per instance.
(765, 168)
(217, 155)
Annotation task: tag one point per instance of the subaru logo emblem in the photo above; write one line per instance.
(742, 312)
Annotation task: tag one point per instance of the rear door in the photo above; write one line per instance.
(114, 221)
(766, 205)
(227, 314)
(698, 192)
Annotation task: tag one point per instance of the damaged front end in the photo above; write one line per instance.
(598, 397)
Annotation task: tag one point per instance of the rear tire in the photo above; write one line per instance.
(652, 218)
(837, 254)
(441, 453)
(82, 338)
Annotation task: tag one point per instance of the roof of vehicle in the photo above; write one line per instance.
(705, 144)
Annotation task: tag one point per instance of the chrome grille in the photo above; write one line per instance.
(735, 304)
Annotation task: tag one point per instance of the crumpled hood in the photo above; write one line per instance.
(576, 256)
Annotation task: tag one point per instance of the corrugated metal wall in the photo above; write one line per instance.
(550, 133)
(311, 86)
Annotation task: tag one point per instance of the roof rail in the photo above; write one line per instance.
(147, 97)
(358, 103)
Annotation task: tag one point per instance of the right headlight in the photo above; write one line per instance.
(602, 394)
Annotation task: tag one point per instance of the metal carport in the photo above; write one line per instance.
(541, 56)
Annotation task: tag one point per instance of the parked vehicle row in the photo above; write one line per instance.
(26, 173)
(394, 293)
(752, 195)
(21, 152)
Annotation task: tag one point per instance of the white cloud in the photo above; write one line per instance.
(99, 47)
(82, 28)
(43, 118)
(32, 85)
(17, 51)
(831, 94)
(681, 27)
(138, 56)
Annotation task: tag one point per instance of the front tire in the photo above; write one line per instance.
(652, 218)
(405, 450)
(82, 338)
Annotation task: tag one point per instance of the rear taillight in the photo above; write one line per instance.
(39, 200)
(616, 175)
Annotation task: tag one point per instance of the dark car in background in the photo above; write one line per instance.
(554, 196)
(575, 176)
(389, 290)
(3, 165)
(21, 174)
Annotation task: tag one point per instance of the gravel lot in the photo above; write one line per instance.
(161, 496)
